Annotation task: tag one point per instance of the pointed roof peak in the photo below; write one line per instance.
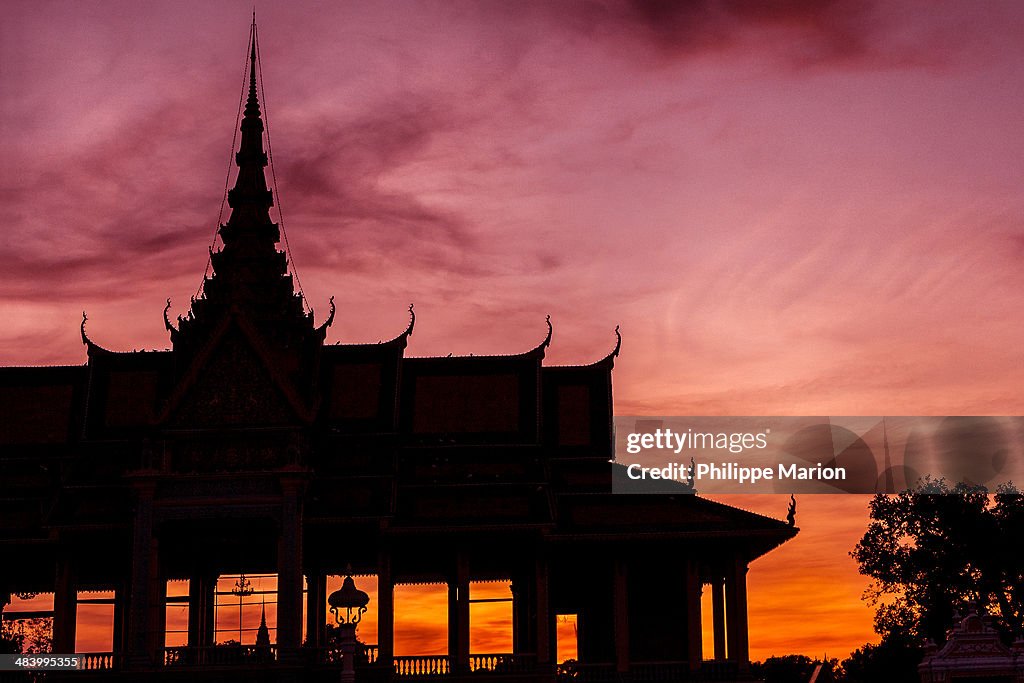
(251, 184)
(252, 105)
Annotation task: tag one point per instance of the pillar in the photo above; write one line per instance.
(524, 633)
(736, 612)
(385, 611)
(545, 634)
(209, 608)
(147, 596)
(718, 615)
(316, 608)
(458, 616)
(201, 596)
(65, 607)
(694, 637)
(195, 611)
(120, 616)
(289, 572)
(620, 609)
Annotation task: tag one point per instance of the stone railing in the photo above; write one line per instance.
(503, 662)
(365, 654)
(219, 655)
(424, 665)
(98, 661)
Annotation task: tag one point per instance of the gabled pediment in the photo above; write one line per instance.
(235, 381)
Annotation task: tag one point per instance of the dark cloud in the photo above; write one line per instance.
(803, 33)
(828, 29)
(334, 175)
(113, 209)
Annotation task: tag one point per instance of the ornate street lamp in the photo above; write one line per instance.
(242, 588)
(348, 605)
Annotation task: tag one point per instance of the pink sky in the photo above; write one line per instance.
(814, 209)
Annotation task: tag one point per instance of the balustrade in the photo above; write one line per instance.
(96, 661)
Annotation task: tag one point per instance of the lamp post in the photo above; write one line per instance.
(348, 604)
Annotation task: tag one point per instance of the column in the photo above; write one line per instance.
(718, 615)
(545, 634)
(120, 616)
(458, 616)
(65, 607)
(142, 608)
(385, 611)
(208, 635)
(620, 608)
(195, 611)
(316, 608)
(523, 617)
(694, 644)
(736, 612)
(201, 588)
(289, 573)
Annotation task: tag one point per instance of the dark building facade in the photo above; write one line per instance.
(252, 446)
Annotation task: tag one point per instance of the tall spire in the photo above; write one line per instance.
(250, 188)
(249, 272)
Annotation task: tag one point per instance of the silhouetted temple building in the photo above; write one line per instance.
(251, 447)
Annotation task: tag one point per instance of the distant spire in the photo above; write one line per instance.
(263, 633)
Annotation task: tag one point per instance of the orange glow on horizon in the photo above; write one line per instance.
(803, 598)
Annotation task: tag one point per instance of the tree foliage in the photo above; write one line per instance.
(27, 636)
(785, 669)
(936, 548)
(894, 660)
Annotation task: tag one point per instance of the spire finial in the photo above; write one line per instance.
(251, 184)
(253, 100)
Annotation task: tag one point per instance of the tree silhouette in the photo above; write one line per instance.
(937, 548)
(27, 636)
(785, 669)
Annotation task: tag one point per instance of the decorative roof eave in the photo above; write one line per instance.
(404, 336)
(540, 348)
(400, 341)
(608, 360)
(93, 347)
(321, 332)
(537, 351)
(167, 322)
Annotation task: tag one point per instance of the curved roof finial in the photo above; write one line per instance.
(89, 343)
(618, 343)
(539, 348)
(322, 330)
(412, 321)
(167, 321)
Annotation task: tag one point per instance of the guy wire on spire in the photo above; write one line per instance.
(231, 155)
(258, 66)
